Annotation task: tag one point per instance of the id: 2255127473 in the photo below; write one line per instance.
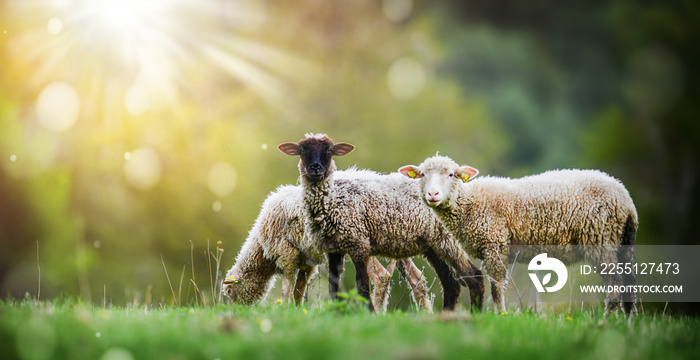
(632, 268)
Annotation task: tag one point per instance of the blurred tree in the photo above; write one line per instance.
(620, 73)
(654, 120)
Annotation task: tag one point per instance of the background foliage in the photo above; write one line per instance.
(134, 129)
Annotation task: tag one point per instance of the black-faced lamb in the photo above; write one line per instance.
(277, 244)
(364, 217)
(563, 207)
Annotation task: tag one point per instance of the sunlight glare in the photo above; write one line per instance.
(265, 325)
(216, 206)
(406, 78)
(143, 169)
(397, 10)
(117, 353)
(142, 56)
(58, 107)
(54, 26)
(137, 99)
(117, 14)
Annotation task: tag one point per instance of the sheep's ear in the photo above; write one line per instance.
(230, 280)
(341, 149)
(289, 148)
(466, 172)
(411, 171)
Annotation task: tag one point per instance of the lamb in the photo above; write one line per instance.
(278, 244)
(563, 207)
(364, 217)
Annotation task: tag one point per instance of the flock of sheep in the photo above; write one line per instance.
(435, 210)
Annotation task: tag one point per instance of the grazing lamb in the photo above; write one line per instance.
(564, 207)
(366, 216)
(277, 244)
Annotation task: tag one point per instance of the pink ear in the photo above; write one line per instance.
(341, 149)
(411, 171)
(289, 148)
(466, 173)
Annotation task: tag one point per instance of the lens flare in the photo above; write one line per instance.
(54, 26)
(117, 353)
(397, 10)
(406, 78)
(119, 15)
(36, 331)
(132, 57)
(143, 169)
(58, 107)
(137, 99)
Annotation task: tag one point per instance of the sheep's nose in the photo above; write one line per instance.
(433, 194)
(316, 168)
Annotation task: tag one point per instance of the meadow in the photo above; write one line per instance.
(69, 329)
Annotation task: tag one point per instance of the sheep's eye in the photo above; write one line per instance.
(451, 175)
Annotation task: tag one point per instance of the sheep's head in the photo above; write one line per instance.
(439, 176)
(231, 288)
(316, 152)
(240, 291)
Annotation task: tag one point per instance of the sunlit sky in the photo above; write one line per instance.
(109, 60)
(146, 51)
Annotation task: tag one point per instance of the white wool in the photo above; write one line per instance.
(362, 213)
(277, 244)
(559, 207)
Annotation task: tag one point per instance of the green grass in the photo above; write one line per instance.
(69, 330)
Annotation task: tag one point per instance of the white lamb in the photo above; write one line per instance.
(364, 217)
(565, 207)
(277, 244)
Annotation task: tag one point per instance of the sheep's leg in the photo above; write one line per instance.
(336, 266)
(612, 299)
(418, 284)
(376, 270)
(450, 286)
(496, 269)
(382, 284)
(362, 279)
(302, 281)
(475, 281)
(610, 280)
(288, 279)
(498, 295)
(469, 274)
(625, 255)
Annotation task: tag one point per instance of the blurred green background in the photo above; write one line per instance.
(132, 129)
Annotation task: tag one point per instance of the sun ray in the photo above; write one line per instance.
(150, 49)
(246, 72)
(277, 61)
